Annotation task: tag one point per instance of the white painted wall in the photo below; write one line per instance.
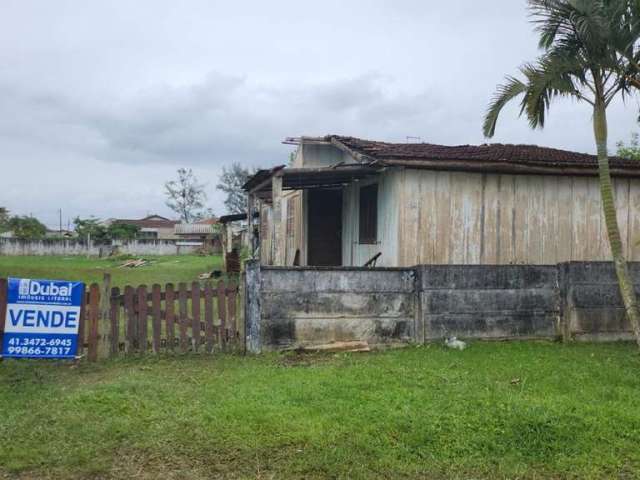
(15, 247)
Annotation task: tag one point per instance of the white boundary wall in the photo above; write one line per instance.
(16, 247)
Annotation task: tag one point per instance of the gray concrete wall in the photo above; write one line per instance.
(16, 247)
(593, 307)
(480, 301)
(290, 307)
(312, 306)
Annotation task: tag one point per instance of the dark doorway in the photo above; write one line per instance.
(325, 228)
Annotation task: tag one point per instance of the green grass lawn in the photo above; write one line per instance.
(495, 410)
(163, 269)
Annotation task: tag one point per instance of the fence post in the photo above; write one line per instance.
(94, 316)
(156, 319)
(104, 327)
(130, 330)
(222, 314)
(169, 315)
(142, 318)
(195, 316)
(182, 308)
(252, 311)
(83, 321)
(208, 316)
(3, 308)
(115, 321)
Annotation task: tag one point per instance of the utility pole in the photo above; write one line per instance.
(60, 212)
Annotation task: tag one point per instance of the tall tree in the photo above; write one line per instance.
(122, 231)
(4, 219)
(230, 183)
(27, 228)
(185, 196)
(90, 228)
(585, 46)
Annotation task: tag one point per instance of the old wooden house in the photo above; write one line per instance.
(346, 201)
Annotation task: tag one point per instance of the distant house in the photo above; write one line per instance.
(152, 227)
(201, 233)
(345, 201)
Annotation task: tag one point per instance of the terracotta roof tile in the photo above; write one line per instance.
(524, 155)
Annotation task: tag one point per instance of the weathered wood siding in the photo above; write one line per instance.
(292, 225)
(471, 218)
(294, 231)
(356, 254)
(266, 234)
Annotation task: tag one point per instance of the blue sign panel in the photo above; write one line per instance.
(42, 318)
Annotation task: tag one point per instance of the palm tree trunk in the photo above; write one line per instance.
(609, 208)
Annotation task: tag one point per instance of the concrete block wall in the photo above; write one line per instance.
(312, 306)
(488, 301)
(593, 308)
(290, 307)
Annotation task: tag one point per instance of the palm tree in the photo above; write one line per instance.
(588, 55)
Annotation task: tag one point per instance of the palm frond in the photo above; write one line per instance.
(504, 94)
(591, 52)
(551, 76)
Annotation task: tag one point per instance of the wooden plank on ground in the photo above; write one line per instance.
(142, 318)
(114, 316)
(222, 313)
(182, 305)
(169, 315)
(208, 316)
(156, 319)
(130, 339)
(195, 314)
(94, 316)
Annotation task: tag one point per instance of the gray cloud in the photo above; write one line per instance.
(101, 104)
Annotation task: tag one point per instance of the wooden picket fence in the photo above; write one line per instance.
(138, 320)
(189, 318)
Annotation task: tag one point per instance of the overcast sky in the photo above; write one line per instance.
(102, 101)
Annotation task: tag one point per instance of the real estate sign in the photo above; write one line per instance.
(42, 318)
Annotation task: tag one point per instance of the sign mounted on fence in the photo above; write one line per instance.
(42, 318)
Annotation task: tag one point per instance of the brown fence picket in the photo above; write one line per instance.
(3, 306)
(81, 325)
(222, 313)
(156, 319)
(129, 345)
(94, 299)
(208, 316)
(142, 318)
(199, 316)
(195, 316)
(114, 316)
(231, 310)
(182, 300)
(169, 315)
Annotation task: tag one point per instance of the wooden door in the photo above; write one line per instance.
(324, 228)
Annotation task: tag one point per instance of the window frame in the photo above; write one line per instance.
(368, 219)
